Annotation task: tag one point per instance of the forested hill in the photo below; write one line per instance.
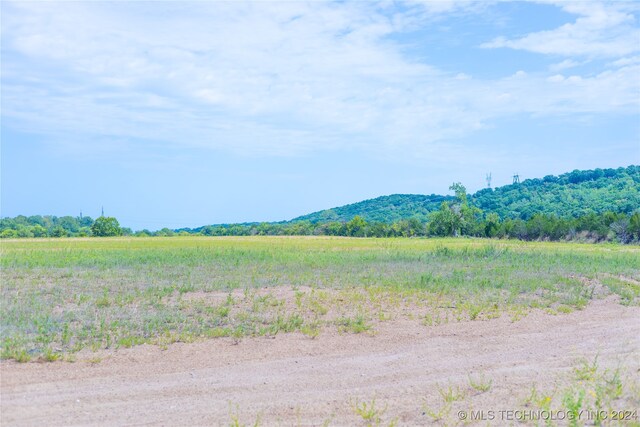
(384, 209)
(572, 194)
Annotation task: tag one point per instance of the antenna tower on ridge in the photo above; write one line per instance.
(489, 180)
(516, 179)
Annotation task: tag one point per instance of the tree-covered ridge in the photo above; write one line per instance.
(383, 209)
(572, 194)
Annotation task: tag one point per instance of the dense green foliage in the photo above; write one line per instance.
(598, 205)
(572, 194)
(595, 205)
(45, 226)
(454, 218)
(382, 209)
(106, 226)
(66, 226)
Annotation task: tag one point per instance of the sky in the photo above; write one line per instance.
(178, 114)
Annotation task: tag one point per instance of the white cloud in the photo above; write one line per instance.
(601, 30)
(622, 62)
(564, 65)
(267, 78)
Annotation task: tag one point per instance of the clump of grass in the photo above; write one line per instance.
(481, 384)
(286, 324)
(51, 356)
(356, 325)
(438, 414)
(450, 393)
(370, 413)
(20, 356)
(311, 329)
(586, 371)
(130, 341)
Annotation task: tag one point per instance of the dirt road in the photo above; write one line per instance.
(294, 380)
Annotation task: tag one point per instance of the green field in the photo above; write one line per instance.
(64, 295)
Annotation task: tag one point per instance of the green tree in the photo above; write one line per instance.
(58, 231)
(468, 215)
(491, 225)
(24, 231)
(457, 217)
(39, 231)
(460, 191)
(8, 233)
(165, 232)
(69, 223)
(335, 228)
(356, 227)
(634, 226)
(444, 222)
(106, 226)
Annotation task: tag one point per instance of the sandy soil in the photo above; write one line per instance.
(294, 380)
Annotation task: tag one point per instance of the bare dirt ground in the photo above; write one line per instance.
(294, 380)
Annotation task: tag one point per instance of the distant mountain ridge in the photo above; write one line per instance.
(572, 194)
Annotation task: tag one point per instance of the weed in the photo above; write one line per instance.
(103, 301)
(21, 356)
(311, 329)
(130, 341)
(223, 311)
(370, 414)
(573, 402)
(354, 325)
(481, 384)
(587, 370)
(235, 419)
(451, 393)
(439, 414)
(50, 356)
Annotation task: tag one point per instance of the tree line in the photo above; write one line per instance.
(455, 217)
(65, 226)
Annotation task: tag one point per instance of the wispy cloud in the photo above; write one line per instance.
(565, 65)
(285, 78)
(600, 30)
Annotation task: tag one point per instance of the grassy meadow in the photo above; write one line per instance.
(60, 296)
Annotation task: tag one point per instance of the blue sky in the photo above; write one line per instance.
(185, 114)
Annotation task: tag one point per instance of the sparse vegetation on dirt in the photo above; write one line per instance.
(62, 296)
